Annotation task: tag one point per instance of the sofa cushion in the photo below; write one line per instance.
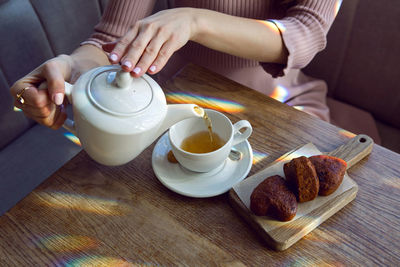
(67, 23)
(327, 64)
(29, 160)
(23, 41)
(23, 47)
(370, 74)
(353, 119)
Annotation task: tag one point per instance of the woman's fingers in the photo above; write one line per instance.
(40, 104)
(41, 112)
(36, 98)
(134, 53)
(163, 56)
(123, 44)
(149, 55)
(59, 118)
(108, 47)
(55, 81)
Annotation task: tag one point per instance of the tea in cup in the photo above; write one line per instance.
(198, 149)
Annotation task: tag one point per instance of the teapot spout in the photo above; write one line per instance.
(178, 112)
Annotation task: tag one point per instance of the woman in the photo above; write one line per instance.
(261, 44)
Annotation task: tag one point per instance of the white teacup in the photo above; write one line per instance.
(205, 162)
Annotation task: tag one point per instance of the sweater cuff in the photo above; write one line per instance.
(275, 69)
(301, 49)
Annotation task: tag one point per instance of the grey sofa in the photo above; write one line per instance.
(359, 65)
(30, 33)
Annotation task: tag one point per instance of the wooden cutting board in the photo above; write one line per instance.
(281, 235)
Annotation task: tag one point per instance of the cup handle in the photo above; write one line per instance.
(239, 137)
(69, 124)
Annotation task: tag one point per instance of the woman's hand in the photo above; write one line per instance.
(44, 106)
(149, 44)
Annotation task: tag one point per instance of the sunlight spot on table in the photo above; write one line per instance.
(280, 93)
(103, 261)
(73, 138)
(392, 182)
(288, 156)
(67, 243)
(205, 102)
(258, 156)
(322, 236)
(61, 200)
(346, 133)
(337, 6)
(305, 262)
(17, 109)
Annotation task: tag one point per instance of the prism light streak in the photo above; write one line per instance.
(205, 102)
(337, 6)
(346, 133)
(273, 26)
(100, 261)
(279, 25)
(61, 200)
(66, 243)
(73, 138)
(280, 93)
(17, 109)
(258, 156)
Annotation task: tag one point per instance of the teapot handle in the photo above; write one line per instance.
(69, 124)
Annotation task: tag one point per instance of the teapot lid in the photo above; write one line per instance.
(118, 93)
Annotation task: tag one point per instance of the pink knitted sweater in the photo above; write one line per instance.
(303, 26)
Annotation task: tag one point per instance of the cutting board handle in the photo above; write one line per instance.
(353, 151)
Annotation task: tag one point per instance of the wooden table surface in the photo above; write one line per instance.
(87, 214)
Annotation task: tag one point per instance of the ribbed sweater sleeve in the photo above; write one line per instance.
(118, 16)
(304, 30)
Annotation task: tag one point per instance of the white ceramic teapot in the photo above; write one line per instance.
(117, 116)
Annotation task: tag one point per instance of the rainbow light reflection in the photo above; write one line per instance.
(17, 109)
(258, 156)
(67, 243)
(346, 133)
(61, 200)
(101, 261)
(205, 102)
(73, 138)
(279, 25)
(280, 93)
(273, 26)
(337, 6)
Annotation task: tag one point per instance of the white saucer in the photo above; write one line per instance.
(193, 184)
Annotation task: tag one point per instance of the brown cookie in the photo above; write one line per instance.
(302, 178)
(273, 198)
(171, 158)
(330, 172)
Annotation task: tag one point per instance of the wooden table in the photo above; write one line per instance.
(89, 214)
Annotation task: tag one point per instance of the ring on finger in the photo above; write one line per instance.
(20, 98)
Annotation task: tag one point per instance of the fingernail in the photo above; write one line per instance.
(127, 64)
(113, 57)
(58, 98)
(153, 68)
(137, 70)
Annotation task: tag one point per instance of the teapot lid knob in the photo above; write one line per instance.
(123, 79)
(118, 93)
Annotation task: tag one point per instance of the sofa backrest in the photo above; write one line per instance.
(30, 33)
(361, 60)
